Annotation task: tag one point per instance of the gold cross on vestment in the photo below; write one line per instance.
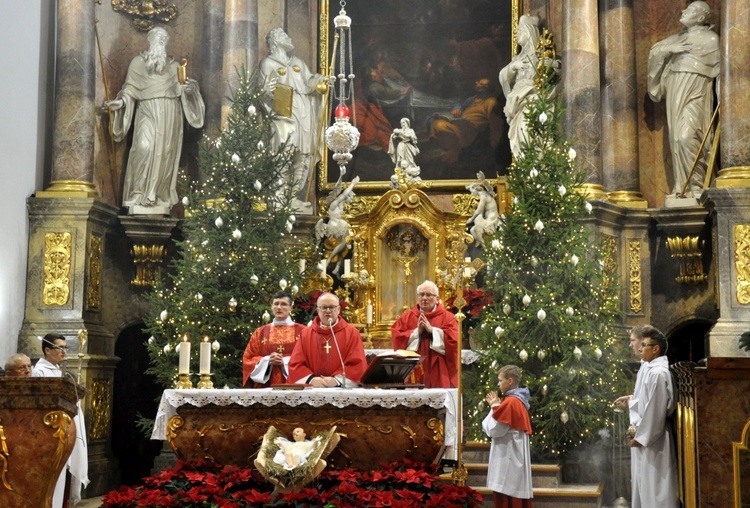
(327, 347)
(280, 349)
(264, 341)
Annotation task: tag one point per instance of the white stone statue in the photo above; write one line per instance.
(682, 69)
(486, 217)
(292, 454)
(153, 86)
(293, 93)
(517, 81)
(336, 228)
(403, 149)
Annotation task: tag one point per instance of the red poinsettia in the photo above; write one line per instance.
(475, 299)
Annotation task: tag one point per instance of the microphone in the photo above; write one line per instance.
(336, 343)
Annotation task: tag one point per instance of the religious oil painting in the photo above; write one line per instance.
(434, 63)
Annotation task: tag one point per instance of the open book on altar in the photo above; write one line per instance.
(390, 368)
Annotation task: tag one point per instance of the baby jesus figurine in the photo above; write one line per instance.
(294, 453)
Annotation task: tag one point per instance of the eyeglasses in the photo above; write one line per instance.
(20, 367)
(328, 308)
(60, 348)
(426, 295)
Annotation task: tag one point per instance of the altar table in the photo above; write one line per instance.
(377, 426)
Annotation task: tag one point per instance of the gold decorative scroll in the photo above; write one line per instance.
(173, 425)
(634, 262)
(95, 272)
(146, 12)
(57, 263)
(4, 459)
(465, 204)
(147, 260)
(60, 421)
(101, 408)
(741, 259)
(687, 249)
(609, 250)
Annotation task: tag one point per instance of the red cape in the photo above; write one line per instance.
(310, 358)
(513, 413)
(435, 370)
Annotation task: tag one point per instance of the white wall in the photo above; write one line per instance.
(24, 37)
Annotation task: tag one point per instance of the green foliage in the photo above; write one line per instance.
(237, 246)
(545, 252)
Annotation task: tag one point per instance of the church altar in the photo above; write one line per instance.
(376, 426)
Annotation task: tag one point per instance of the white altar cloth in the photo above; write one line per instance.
(316, 397)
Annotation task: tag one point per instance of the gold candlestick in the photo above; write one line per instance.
(183, 382)
(182, 72)
(83, 337)
(205, 382)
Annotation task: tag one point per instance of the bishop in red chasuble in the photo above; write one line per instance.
(329, 352)
(432, 331)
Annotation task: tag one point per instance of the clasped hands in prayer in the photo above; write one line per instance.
(423, 325)
(324, 382)
(492, 399)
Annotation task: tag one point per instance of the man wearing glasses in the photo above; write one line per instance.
(329, 352)
(432, 331)
(653, 457)
(266, 357)
(18, 365)
(54, 348)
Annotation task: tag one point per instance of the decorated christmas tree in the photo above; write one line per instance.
(554, 304)
(237, 248)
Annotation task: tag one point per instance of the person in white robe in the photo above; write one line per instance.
(653, 457)
(54, 349)
(153, 86)
(509, 426)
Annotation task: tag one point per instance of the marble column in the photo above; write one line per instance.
(75, 108)
(213, 85)
(240, 44)
(580, 88)
(730, 212)
(619, 104)
(734, 95)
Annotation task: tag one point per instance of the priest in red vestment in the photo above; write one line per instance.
(330, 352)
(432, 331)
(266, 357)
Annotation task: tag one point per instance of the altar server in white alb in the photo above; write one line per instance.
(509, 426)
(54, 349)
(653, 458)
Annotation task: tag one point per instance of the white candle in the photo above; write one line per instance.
(322, 267)
(467, 271)
(369, 313)
(347, 267)
(184, 355)
(205, 356)
(302, 265)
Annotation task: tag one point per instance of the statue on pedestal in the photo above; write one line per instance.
(486, 217)
(161, 98)
(292, 93)
(403, 150)
(682, 69)
(519, 80)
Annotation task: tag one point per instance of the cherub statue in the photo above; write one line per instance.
(294, 453)
(336, 228)
(485, 218)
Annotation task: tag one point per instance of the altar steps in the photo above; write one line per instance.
(549, 489)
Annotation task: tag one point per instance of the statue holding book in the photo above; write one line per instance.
(292, 94)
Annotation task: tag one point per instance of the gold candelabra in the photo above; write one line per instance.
(460, 473)
(205, 382)
(183, 382)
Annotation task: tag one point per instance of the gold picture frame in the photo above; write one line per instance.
(439, 51)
